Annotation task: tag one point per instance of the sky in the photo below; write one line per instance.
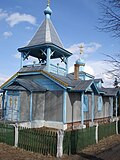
(76, 23)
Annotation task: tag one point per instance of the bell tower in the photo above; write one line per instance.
(46, 46)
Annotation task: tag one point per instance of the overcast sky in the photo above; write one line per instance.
(75, 22)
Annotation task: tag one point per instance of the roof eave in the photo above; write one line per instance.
(72, 90)
(27, 48)
(90, 85)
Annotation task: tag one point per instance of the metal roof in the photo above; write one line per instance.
(83, 85)
(25, 84)
(69, 79)
(98, 80)
(110, 91)
(83, 73)
(46, 34)
(31, 68)
(76, 85)
(15, 87)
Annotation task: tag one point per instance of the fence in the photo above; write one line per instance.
(37, 140)
(7, 134)
(55, 143)
(76, 140)
(106, 130)
(119, 126)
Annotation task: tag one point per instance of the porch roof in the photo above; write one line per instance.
(83, 85)
(25, 84)
(110, 91)
(15, 87)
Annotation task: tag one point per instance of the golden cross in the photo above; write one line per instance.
(81, 49)
(48, 3)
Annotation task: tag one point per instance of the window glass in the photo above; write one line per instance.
(100, 103)
(86, 102)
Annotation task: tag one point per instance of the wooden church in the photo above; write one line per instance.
(47, 95)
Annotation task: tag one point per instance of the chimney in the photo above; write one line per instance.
(76, 71)
(79, 64)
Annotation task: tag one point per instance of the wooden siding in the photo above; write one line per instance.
(38, 106)
(73, 107)
(105, 112)
(25, 106)
(53, 106)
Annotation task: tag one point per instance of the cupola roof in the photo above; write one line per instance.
(46, 36)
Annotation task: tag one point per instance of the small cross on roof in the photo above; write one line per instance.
(81, 49)
(48, 3)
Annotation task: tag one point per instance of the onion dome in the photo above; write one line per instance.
(80, 62)
(48, 11)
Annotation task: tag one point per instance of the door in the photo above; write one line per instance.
(12, 109)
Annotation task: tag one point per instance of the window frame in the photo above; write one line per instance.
(100, 103)
(86, 103)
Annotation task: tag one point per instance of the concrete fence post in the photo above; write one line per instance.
(96, 133)
(116, 125)
(60, 136)
(16, 135)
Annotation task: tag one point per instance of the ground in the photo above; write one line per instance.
(106, 149)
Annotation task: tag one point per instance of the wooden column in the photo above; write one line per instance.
(82, 108)
(93, 105)
(31, 106)
(64, 105)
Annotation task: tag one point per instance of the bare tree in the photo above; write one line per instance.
(110, 22)
(110, 17)
(114, 62)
